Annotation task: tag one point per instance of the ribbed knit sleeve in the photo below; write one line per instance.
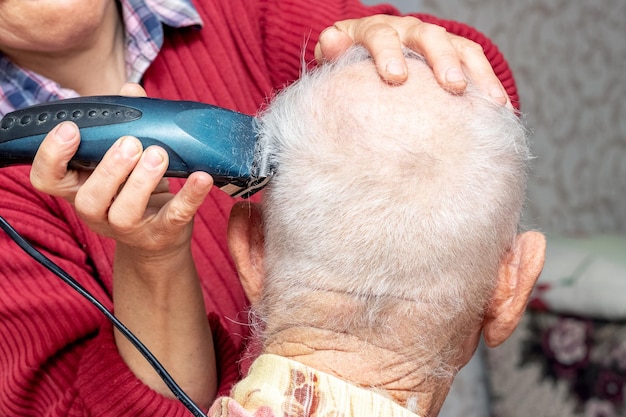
(45, 327)
(57, 352)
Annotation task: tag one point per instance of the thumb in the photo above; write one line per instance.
(188, 200)
(49, 168)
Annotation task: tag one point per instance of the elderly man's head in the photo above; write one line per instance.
(392, 217)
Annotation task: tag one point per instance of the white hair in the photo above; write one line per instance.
(398, 200)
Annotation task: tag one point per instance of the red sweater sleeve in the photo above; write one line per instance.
(58, 356)
(57, 352)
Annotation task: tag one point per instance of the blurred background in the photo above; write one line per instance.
(568, 356)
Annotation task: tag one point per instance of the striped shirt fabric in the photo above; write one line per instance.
(143, 20)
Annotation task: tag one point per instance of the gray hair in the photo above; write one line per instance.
(398, 200)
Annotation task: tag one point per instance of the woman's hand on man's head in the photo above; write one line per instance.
(454, 59)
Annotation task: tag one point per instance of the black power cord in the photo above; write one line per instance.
(58, 271)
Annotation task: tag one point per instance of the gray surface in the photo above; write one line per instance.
(405, 6)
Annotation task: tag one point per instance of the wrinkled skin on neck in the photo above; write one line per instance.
(367, 364)
(386, 357)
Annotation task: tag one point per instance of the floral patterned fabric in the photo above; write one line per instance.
(280, 387)
(560, 366)
(567, 358)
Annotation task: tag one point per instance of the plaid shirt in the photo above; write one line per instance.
(143, 20)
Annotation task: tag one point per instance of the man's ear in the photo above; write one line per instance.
(245, 241)
(517, 275)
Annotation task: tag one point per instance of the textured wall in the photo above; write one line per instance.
(405, 6)
(569, 59)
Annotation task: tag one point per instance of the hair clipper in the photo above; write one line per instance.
(196, 136)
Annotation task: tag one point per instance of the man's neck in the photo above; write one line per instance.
(381, 367)
(94, 66)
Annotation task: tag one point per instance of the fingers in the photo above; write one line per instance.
(127, 198)
(454, 59)
(435, 45)
(145, 197)
(131, 203)
(156, 223)
(94, 198)
(384, 40)
(479, 70)
(49, 171)
(132, 90)
(381, 35)
(332, 43)
(188, 200)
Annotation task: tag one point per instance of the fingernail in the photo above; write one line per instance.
(496, 92)
(129, 147)
(454, 75)
(65, 132)
(395, 67)
(331, 30)
(152, 158)
(325, 31)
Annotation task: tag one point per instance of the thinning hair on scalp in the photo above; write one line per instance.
(396, 200)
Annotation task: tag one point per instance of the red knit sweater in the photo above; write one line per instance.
(57, 353)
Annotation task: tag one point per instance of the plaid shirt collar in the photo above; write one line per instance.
(143, 20)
